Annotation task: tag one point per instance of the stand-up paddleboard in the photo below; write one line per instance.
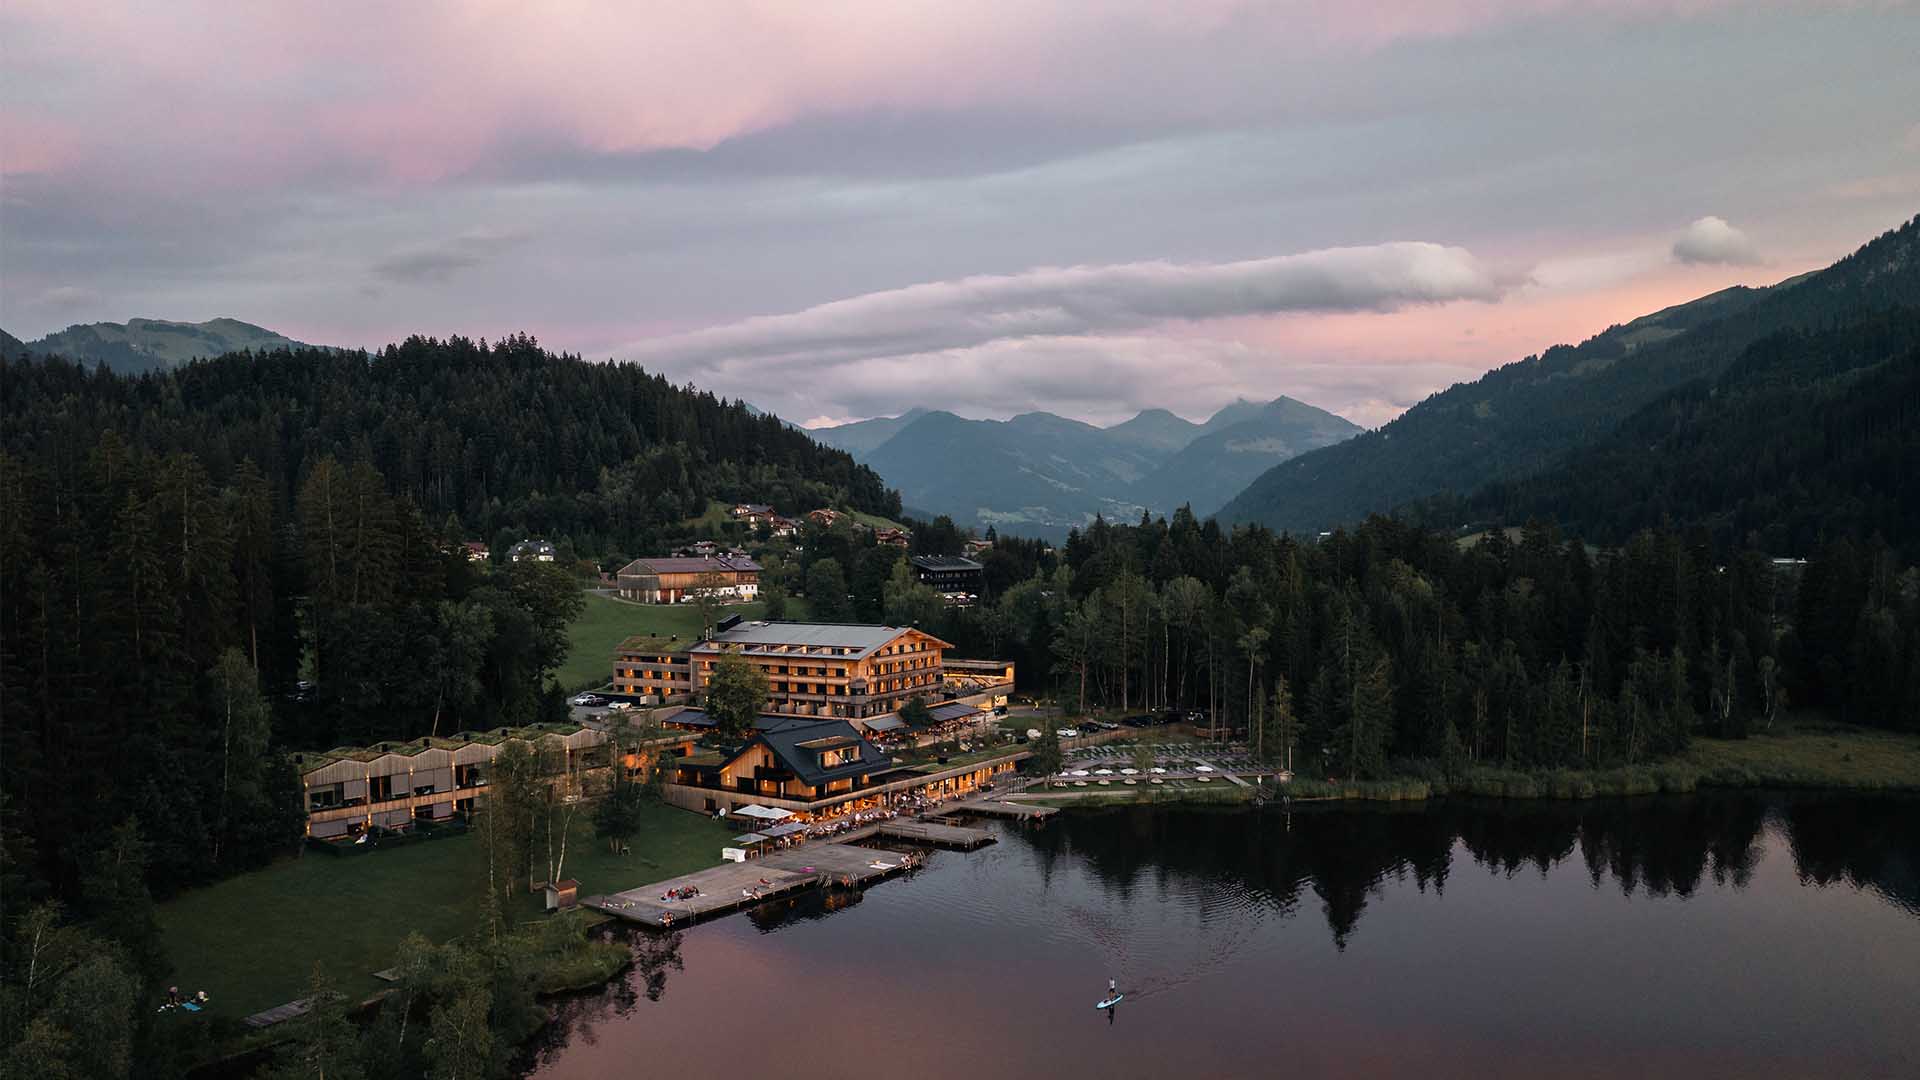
(1111, 1002)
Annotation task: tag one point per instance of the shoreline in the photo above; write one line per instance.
(1853, 760)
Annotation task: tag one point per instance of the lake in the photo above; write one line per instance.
(1712, 935)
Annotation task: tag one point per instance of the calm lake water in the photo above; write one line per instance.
(1714, 935)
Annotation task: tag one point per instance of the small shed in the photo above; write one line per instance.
(562, 894)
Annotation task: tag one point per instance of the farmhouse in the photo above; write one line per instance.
(674, 579)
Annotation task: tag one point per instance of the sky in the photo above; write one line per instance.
(843, 210)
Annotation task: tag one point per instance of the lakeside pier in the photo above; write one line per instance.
(732, 886)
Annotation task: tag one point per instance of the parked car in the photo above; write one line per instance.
(621, 706)
(584, 699)
(1068, 733)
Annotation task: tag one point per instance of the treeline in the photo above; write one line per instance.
(502, 436)
(1808, 436)
(157, 627)
(1390, 642)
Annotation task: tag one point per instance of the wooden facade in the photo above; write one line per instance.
(677, 579)
(394, 785)
(813, 670)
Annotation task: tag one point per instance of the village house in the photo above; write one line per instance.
(674, 579)
(532, 551)
(813, 669)
(475, 551)
(899, 538)
(824, 517)
(959, 580)
(752, 514)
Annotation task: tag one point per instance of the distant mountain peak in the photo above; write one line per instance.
(146, 344)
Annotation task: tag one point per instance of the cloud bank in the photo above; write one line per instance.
(1088, 341)
(1711, 241)
(1080, 300)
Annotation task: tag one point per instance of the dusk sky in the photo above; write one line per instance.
(843, 210)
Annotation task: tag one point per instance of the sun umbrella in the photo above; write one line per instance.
(1157, 769)
(1079, 772)
(1203, 768)
(1129, 772)
(1103, 772)
(1204, 779)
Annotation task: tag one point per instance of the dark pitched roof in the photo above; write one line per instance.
(945, 563)
(797, 746)
(698, 718)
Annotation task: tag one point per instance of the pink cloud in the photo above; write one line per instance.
(420, 91)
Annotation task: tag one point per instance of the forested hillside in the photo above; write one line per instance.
(502, 436)
(1525, 416)
(141, 345)
(181, 548)
(1808, 436)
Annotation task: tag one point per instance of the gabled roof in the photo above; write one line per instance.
(797, 747)
(697, 564)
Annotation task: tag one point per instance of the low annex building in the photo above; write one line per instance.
(392, 785)
(673, 579)
(831, 670)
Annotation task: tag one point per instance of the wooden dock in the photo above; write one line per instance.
(279, 1013)
(933, 832)
(996, 808)
(732, 886)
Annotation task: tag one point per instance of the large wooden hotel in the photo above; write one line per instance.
(827, 670)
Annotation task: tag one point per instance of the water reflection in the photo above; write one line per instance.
(1186, 902)
(1341, 855)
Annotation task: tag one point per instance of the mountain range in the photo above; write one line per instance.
(1531, 417)
(1042, 474)
(140, 345)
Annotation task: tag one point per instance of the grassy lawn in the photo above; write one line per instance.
(1812, 755)
(606, 622)
(251, 941)
(874, 521)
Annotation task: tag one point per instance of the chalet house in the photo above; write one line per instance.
(899, 538)
(816, 769)
(753, 514)
(824, 517)
(813, 669)
(798, 759)
(532, 551)
(783, 526)
(475, 551)
(674, 579)
(959, 580)
(973, 549)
